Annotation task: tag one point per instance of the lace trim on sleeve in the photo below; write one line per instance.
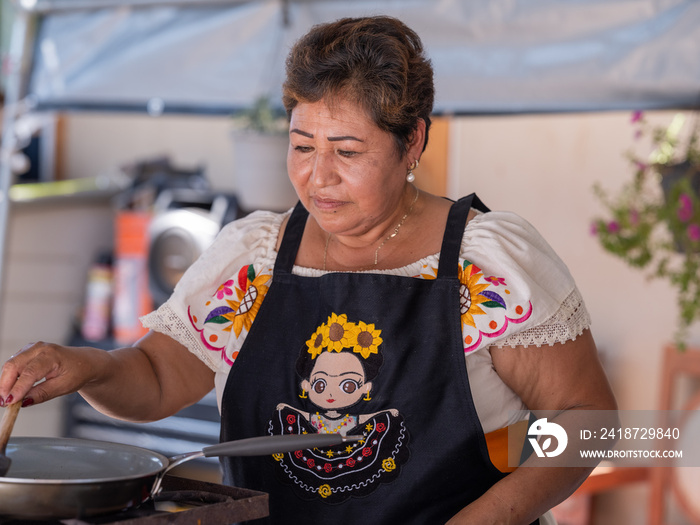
(567, 323)
(166, 321)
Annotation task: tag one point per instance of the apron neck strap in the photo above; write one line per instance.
(454, 231)
(291, 240)
(449, 253)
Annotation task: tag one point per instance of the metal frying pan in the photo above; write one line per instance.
(58, 478)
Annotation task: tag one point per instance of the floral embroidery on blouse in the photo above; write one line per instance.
(478, 297)
(225, 315)
(484, 310)
(487, 308)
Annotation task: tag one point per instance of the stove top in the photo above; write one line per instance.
(181, 502)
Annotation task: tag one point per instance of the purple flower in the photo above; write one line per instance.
(594, 228)
(613, 227)
(634, 217)
(693, 232)
(636, 116)
(640, 165)
(685, 211)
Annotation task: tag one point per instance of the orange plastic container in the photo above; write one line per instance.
(132, 298)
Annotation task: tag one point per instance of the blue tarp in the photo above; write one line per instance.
(490, 56)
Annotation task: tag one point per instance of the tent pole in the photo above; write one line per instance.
(19, 59)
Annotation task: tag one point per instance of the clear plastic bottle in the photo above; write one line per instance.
(98, 300)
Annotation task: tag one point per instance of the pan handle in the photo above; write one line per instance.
(263, 445)
(172, 463)
(256, 446)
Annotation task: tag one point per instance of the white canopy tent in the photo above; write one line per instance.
(490, 56)
(219, 56)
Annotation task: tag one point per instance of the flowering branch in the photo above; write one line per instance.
(654, 222)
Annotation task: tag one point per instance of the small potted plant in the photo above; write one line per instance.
(262, 119)
(260, 141)
(653, 223)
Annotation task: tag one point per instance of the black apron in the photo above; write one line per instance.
(365, 354)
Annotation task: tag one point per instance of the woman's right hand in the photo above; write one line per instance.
(64, 370)
(151, 380)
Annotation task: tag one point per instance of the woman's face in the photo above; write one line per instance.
(336, 381)
(345, 169)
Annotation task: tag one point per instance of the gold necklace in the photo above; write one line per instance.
(326, 430)
(393, 234)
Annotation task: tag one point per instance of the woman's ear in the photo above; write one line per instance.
(306, 385)
(417, 141)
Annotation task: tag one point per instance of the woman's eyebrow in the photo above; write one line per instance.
(300, 132)
(330, 139)
(344, 137)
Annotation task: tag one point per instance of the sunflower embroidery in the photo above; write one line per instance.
(471, 294)
(477, 298)
(249, 302)
(250, 291)
(318, 341)
(339, 332)
(365, 339)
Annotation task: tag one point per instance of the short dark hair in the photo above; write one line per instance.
(377, 62)
(371, 364)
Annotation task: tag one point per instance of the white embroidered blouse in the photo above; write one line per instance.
(516, 291)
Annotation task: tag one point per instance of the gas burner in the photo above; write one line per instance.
(182, 502)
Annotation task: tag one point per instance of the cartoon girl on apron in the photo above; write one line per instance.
(337, 366)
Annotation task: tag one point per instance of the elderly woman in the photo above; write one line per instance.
(418, 324)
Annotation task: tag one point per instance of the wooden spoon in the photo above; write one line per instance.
(8, 421)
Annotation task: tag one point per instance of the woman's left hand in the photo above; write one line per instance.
(562, 378)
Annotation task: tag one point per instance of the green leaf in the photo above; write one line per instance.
(219, 319)
(492, 304)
